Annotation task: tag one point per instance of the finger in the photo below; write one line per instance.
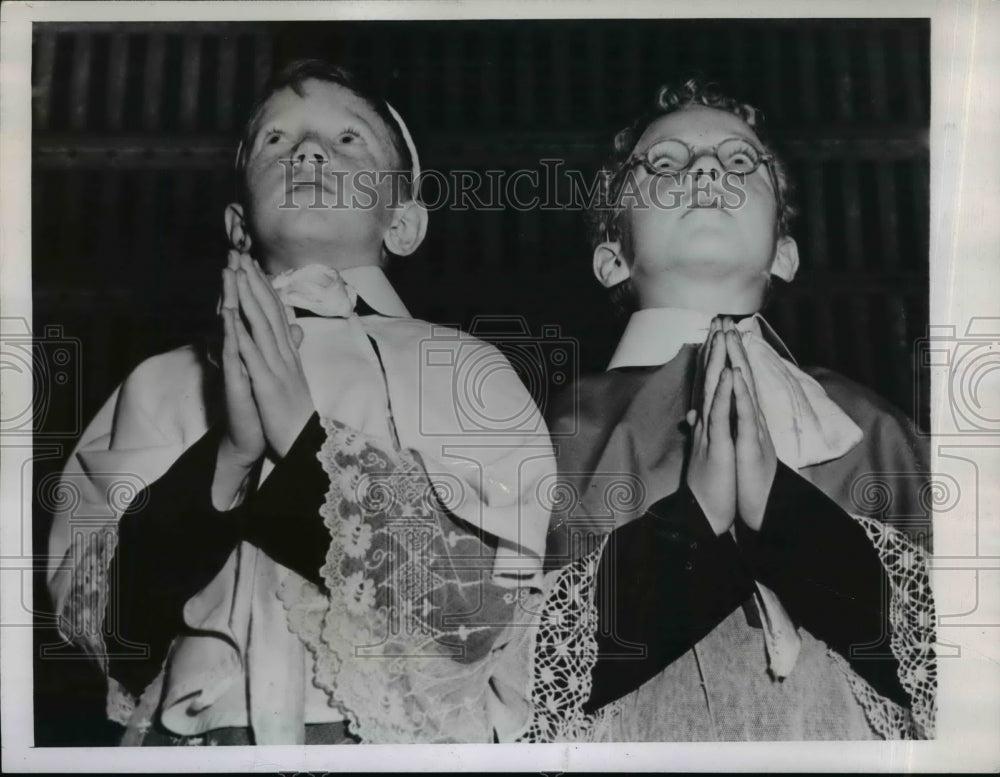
(256, 366)
(747, 429)
(260, 325)
(269, 303)
(297, 335)
(718, 424)
(229, 298)
(702, 361)
(738, 357)
(233, 372)
(713, 371)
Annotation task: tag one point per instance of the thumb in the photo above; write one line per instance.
(297, 334)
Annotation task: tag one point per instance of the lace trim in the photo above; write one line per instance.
(566, 650)
(913, 624)
(403, 636)
(120, 703)
(565, 654)
(81, 617)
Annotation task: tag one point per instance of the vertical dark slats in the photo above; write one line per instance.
(419, 79)
(888, 213)
(190, 80)
(524, 76)
(559, 86)
(850, 188)
(146, 231)
(527, 239)
(117, 72)
(594, 46)
(808, 91)
(821, 302)
(80, 80)
(913, 92)
(45, 62)
(491, 237)
(773, 74)
(489, 91)
(110, 199)
(900, 368)
(226, 89)
(861, 335)
(813, 194)
(380, 49)
(179, 251)
(632, 70)
(453, 78)
(920, 192)
(263, 62)
(153, 82)
(877, 80)
(843, 83)
(71, 222)
(738, 59)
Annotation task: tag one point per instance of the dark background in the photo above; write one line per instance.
(135, 130)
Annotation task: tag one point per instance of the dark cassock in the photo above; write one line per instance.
(819, 626)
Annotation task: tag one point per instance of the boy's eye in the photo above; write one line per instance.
(737, 155)
(349, 136)
(271, 137)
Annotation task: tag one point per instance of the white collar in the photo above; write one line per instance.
(373, 287)
(654, 336)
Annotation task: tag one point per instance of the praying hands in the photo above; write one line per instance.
(267, 397)
(732, 462)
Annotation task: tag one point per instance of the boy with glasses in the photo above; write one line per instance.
(736, 593)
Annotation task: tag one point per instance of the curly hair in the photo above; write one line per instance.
(605, 219)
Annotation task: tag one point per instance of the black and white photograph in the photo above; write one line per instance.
(588, 380)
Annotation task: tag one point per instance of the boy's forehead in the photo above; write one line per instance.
(321, 102)
(697, 124)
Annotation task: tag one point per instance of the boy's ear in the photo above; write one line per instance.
(609, 264)
(236, 228)
(786, 259)
(409, 225)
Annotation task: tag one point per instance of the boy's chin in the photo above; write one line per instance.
(330, 252)
(716, 261)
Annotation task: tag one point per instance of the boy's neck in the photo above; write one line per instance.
(709, 295)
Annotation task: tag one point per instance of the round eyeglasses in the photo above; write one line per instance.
(672, 156)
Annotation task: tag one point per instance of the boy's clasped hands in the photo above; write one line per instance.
(267, 396)
(732, 461)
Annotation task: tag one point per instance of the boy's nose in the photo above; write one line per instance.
(707, 164)
(309, 150)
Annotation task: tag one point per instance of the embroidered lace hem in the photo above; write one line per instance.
(403, 635)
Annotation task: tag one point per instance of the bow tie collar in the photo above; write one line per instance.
(317, 289)
(807, 427)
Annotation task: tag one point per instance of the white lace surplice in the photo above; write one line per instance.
(412, 639)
